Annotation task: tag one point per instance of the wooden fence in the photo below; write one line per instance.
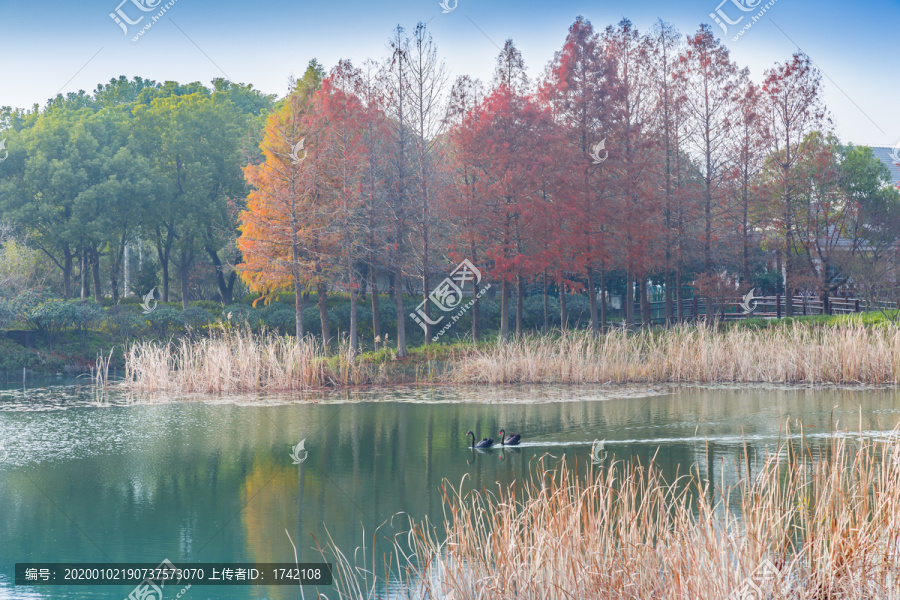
(771, 307)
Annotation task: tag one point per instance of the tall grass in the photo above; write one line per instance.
(830, 529)
(844, 352)
(234, 361)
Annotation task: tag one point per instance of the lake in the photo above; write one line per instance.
(214, 480)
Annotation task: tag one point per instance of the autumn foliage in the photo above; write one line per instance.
(637, 161)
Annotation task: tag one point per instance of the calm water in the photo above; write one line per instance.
(208, 480)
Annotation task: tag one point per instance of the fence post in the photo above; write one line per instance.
(777, 306)
(856, 305)
(696, 309)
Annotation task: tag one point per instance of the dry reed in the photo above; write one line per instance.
(841, 353)
(235, 361)
(826, 529)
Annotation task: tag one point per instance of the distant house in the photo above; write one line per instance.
(891, 158)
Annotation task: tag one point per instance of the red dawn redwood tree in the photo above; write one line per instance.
(637, 222)
(581, 89)
(502, 139)
(465, 204)
(276, 226)
(750, 140)
(794, 109)
(427, 78)
(395, 81)
(711, 84)
(665, 48)
(340, 118)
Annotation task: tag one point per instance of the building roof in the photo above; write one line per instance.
(891, 158)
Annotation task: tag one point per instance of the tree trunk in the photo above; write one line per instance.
(546, 308)
(354, 334)
(670, 312)
(95, 272)
(126, 270)
(746, 231)
(425, 290)
(504, 311)
(563, 311)
(83, 273)
(363, 289)
(322, 291)
(119, 260)
(629, 299)
(476, 312)
(679, 296)
(67, 273)
(401, 324)
(226, 286)
(592, 301)
(183, 275)
(520, 306)
(788, 228)
(164, 253)
(114, 283)
(603, 300)
(164, 268)
(645, 303)
(298, 306)
(376, 316)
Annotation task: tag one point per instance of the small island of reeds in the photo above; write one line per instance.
(845, 350)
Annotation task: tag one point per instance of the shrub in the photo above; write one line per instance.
(197, 318)
(124, 322)
(238, 313)
(146, 278)
(27, 301)
(278, 317)
(213, 307)
(165, 321)
(579, 310)
(51, 317)
(86, 314)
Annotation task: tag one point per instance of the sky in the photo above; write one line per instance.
(55, 46)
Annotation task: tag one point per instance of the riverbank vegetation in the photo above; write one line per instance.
(835, 350)
(795, 525)
(843, 352)
(610, 178)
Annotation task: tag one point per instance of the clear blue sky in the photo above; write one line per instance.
(67, 45)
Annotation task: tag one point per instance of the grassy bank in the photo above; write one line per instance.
(233, 361)
(797, 528)
(839, 351)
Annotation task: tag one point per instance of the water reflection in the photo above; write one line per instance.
(215, 480)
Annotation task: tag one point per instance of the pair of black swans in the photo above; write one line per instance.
(505, 440)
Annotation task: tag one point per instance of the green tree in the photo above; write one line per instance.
(192, 143)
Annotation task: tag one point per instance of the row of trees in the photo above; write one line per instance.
(651, 155)
(135, 162)
(635, 158)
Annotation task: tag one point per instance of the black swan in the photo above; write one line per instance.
(484, 443)
(512, 440)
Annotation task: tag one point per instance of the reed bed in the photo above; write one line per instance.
(796, 529)
(842, 353)
(237, 361)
